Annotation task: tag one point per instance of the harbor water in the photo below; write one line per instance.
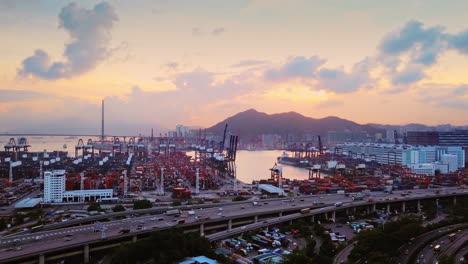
(251, 165)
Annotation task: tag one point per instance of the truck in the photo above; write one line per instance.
(173, 212)
(358, 197)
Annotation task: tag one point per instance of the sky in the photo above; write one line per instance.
(168, 62)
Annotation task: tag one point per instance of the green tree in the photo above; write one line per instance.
(118, 208)
(176, 203)
(297, 256)
(142, 204)
(309, 249)
(239, 198)
(94, 207)
(446, 260)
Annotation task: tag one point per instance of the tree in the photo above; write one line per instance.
(309, 249)
(142, 204)
(239, 198)
(297, 256)
(94, 207)
(176, 203)
(446, 260)
(118, 208)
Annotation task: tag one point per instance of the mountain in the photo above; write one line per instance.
(252, 123)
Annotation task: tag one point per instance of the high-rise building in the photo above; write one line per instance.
(421, 138)
(407, 155)
(54, 190)
(54, 186)
(435, 138)
(181, 131)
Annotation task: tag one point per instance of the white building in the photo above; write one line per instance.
(54, 186)
(423, 168)
(54, 190)
(446, 159)
(451, 160)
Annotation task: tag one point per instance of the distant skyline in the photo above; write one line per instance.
(162, 63)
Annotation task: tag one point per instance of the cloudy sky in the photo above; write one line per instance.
(168, 62)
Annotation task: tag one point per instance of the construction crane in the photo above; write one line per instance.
(320, 145)
(221, 149)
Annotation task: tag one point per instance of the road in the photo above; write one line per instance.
(412, 247)
(40, 241)
(447, 247)
(342, 256)
(460, 256)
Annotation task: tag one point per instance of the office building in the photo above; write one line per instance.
(449, 158)
(54, 190)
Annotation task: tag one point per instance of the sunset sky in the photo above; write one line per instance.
(195, 62)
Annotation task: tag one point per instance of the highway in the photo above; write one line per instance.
(412, 247)
(460, 256)
(447, 247)
(342, 256)
(79, 235)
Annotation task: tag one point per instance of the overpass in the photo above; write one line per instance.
(215, 223)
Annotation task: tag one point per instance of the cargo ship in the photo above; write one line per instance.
(287, 160)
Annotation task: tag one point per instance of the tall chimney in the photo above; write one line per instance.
(102, 120)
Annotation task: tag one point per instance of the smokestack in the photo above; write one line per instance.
(102, 120)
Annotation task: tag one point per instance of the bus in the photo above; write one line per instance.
(452, 236)
(437, 248)
(35, 228)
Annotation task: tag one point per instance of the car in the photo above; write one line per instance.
(124, 231)
(265, 222)
(38, 238)
(17, 248)
(242, 207)
(69, 235)
(67, 239)
(265, 203)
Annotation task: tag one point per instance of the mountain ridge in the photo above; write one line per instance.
(251, 123)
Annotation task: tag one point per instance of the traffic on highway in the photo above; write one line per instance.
(44, 240)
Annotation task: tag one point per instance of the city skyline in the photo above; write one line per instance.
(180, 62)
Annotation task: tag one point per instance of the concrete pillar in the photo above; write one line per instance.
(347, 211)
(388, 208)
(403, 207)
(454, 200)
(41, 259)
(354, 210)
(134, 239)
(229, 224)
(280, 214)
(290, 222)
(374, 208)
(312, 219)
(334, 216)
(202, 229)
(86, 253)
(419, 205)
(437, 203)
(326, 215)
(368, 210)
(256, 219)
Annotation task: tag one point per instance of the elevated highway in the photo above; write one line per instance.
(215, 223)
